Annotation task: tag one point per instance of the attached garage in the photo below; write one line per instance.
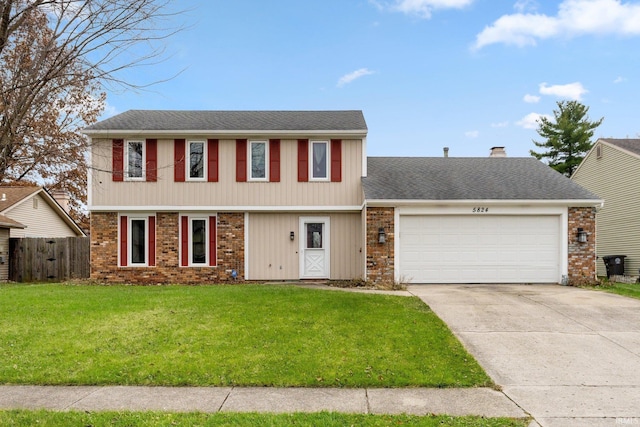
(480, 249)
(476, 220)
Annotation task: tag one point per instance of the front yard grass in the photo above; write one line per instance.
(626, 289)
(242, 335)
(159, 419)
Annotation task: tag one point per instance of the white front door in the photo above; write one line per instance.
(314, 248)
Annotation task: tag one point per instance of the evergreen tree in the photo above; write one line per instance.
(568, 136)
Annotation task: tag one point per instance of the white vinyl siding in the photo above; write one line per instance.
(4, 254)
(614, 177)
(480, 249)
(40, 222)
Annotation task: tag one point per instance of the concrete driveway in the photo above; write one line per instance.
(567, 356)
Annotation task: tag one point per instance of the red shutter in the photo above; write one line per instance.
(123, 241)
(274, 160)
(213, 248)
(336, 160)
(212, 160)
(241, 160)
(152, 160)
(118, 160)
(303, 160)
(184, 241)
(179, 160)
(152, 241)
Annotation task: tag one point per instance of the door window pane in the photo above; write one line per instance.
(319, 164)
(196, 160)
(138, 241)
(134, 159)
(258, 160)
(198, 241)
(314, 235)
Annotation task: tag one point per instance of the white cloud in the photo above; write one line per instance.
(421, 8)
(619, 79)
(531, 99)
(348, 78)
(530, 121)
(500, 125)
(572, 91)
(522, 6)
(574, 18)
(472, 134)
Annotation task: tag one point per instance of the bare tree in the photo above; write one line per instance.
(57, 57)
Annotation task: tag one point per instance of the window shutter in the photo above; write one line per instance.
(152, 160)
(213, 248)
(274, 160)
(303, 160)
(212, 160)
(123, 241)
(336, 160)
(179, 160)
(152, 241)
(241, 160)
(184, 241)
(118, 160)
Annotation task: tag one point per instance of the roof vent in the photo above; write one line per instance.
(446, 151)
(4, 197)
(498, 152)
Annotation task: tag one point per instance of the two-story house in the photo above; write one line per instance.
(205, 196)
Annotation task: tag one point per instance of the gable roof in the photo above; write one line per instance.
(630, 145)
(440, 178)
(6, 222)
(347, 121)
(11, 196)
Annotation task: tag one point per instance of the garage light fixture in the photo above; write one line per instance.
(582, 235)
(292, 235)
(382, 237)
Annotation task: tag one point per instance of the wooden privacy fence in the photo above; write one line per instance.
(46, 259)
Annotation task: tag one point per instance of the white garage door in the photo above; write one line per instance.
(479, 249)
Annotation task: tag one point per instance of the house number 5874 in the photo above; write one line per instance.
(480, 210)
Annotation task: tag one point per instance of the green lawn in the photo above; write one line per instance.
(160, 419)
(626, 289)
(245, 335)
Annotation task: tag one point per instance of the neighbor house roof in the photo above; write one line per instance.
(440, 178)
(6, 222)
(231, 121)
(632, 145)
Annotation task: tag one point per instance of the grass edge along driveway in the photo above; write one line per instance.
(239, 335)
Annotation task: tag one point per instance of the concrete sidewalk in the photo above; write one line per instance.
(417, 401)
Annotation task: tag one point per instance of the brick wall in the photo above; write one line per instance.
(582, 256)
(380, 256)
(104, 252)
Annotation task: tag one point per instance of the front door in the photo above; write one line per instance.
(314, 248)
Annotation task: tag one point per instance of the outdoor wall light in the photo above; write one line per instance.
(582, 235)
(292, 235)
(382, 237)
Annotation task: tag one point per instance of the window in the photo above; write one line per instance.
(198, 240)
(135, 160)
(196, 160)
(319, 160)
(258, 160)
(137, 240)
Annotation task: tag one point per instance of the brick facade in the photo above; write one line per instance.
(380, 256)
(582, 256)
(104, 252)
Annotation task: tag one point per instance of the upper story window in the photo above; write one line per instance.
(197, 153)
(319, 160)
(258, 160)
(135, 160)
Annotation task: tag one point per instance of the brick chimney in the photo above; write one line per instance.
(498, 152)
(62, 197)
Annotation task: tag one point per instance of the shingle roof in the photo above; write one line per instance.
(167, 120)
(6, 222)
(13, 194)
(632, 145)
(440, 178)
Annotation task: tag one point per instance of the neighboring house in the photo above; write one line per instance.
(205, 196)
(29, 211)
(612, 170)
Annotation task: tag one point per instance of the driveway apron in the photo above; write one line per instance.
(567, 356)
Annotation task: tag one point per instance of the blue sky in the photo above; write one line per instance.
(466, 74)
